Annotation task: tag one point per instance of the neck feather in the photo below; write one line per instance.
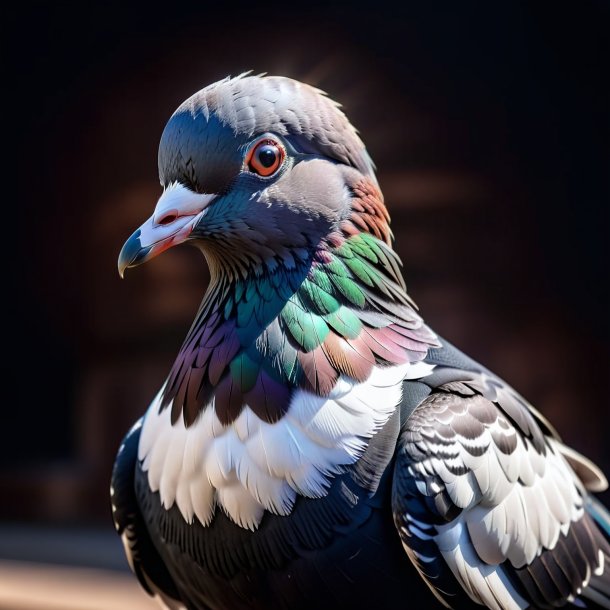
(301, 320)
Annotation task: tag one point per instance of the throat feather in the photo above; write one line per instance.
(224, 357)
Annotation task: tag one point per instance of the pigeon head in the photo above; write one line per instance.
(269, 179)
(253, 169)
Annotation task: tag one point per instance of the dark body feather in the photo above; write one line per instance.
(340, 551)
(142, 555)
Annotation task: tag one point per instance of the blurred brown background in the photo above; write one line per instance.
(489, 124)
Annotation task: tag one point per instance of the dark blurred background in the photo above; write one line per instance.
(489, 124)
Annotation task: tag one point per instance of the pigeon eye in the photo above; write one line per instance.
(265, 157)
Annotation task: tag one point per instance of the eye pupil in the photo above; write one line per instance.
(267, 155)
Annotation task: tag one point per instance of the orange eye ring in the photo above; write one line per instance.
(265, 157)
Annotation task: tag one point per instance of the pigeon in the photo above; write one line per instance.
(316, 444)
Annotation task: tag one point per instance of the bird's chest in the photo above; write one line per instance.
(337, 551)
(250, 466)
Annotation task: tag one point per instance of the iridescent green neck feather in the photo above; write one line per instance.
(300, 322)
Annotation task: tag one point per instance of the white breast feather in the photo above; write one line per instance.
(250, 465)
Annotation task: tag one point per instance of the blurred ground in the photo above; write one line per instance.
(66, 568)
(31, 586)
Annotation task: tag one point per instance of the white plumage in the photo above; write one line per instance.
(251, 466)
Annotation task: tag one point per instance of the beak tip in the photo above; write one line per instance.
(131, 254)
(122, 265)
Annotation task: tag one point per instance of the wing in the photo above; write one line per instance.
(141, 553)
(487, 506)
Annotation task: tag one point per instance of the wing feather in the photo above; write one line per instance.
(480, 485)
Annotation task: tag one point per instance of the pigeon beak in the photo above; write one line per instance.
(177, 212)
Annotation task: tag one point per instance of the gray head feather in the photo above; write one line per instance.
(249, 106)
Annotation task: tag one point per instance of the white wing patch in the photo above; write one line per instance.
(511, 521)
(251, 466)
(514, 505)
(484, 583)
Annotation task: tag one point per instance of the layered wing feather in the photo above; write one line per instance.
(483, 498)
